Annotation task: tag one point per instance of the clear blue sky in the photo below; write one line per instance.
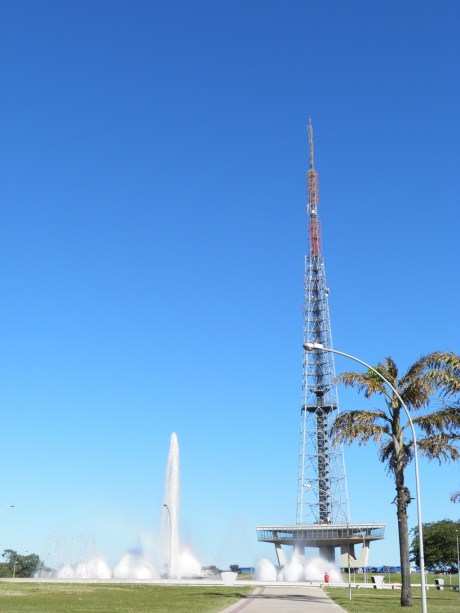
(152, 241)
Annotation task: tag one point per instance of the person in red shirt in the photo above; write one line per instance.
(326, 577)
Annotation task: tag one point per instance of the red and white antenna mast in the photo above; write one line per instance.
(313, 199)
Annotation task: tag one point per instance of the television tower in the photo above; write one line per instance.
(322, 518)
(321, 485)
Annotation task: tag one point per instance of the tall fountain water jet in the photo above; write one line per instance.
(170, 517)
(179, 561)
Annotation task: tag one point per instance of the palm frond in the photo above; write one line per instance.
(387, 454)
(455, 497)
(388, 369)
(362, 382)
(415, 388)
(387, 451)
(417, 393)
(415, 371)
(445, 420)
(444, 359)
(444, 371)
(360, 426)
(439, 447)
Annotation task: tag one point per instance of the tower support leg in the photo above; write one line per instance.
(299, 551)
(348, 556)
(280, 555)
(363, 559)
(327, 553)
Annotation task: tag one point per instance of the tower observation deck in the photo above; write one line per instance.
(322, 517)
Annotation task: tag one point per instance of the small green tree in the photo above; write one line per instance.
(235, 568)
(440, 545)
(17, 565)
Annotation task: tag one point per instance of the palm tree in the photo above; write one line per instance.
(435, 375)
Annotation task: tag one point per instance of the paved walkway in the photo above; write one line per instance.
(286, 599)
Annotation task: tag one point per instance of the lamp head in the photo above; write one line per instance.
(312, 346)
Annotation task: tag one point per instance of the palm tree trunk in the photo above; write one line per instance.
(402, 500)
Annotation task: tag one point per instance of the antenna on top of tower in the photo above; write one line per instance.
(310, 136)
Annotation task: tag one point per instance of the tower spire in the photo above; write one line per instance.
(310, 138)
(313, 199)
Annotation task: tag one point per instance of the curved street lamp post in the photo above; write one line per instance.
(320, 347)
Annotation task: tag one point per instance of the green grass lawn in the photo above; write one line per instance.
(396, 578)
(390, 578)
(389, 601)
(126, 598)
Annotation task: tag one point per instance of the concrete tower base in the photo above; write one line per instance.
(326, 538)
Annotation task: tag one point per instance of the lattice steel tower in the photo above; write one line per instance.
(321, 486)
(322, 518)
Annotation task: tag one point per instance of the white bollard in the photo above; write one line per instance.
(228, 577)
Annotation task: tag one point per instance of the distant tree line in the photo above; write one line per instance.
(17, 565)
